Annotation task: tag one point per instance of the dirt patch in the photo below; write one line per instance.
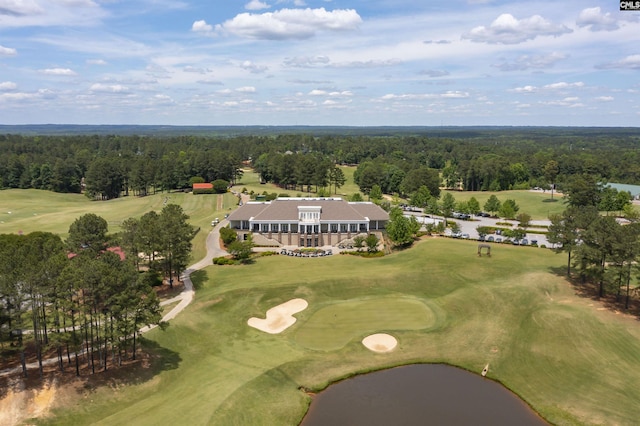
(34, 397)
(20, 404)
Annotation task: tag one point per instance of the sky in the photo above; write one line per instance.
(319, 62)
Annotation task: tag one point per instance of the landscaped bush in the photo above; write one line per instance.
(228, 235)
(223, 261)
(364, 253)
(197, 191)
(220, 186)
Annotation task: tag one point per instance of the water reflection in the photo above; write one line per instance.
(420, 394)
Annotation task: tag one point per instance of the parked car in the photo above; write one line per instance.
(490, 238)
(466, 236)
(524, 242)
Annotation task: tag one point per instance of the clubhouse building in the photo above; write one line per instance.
(307, 222)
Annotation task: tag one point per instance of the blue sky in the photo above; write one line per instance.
(319, 62)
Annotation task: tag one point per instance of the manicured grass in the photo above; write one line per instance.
(251, 181)
(363, 317)
(536, 204)
(36, 210)
(572, 362)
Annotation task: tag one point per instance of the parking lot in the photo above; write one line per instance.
(468, 227)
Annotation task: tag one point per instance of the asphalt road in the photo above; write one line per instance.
(470, 226)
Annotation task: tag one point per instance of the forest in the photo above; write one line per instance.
(107, 166)
(83, 300)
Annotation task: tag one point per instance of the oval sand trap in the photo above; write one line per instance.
(380, 342)
(280, 317)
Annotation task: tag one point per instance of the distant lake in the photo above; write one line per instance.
(419, 394)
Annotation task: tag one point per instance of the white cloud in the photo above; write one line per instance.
(256, 5)
(20, 7)
(630, 62)
(109, 88)
(7, 86)
(563, 85)
(254, 68)
(246, 89)
(211, 82)
(96, 62)
(333, 94)
(434, 73)
(525, 89)
(596, 20)
(290, 23)
(451, 94)
(7, 51)
(197, 70)
(604, 98)
(77, 3)
(201, 27)
(507, 29)
(525, 62)
(549, 87)
(58, 71)
(306, 61)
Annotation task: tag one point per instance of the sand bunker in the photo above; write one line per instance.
(279, 318)
(380, 342)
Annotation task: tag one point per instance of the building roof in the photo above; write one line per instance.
(202, 186)
(332, 209)
(634, 190)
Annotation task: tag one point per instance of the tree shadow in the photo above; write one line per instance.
(198, 278)
(152, 360)
(590, 290)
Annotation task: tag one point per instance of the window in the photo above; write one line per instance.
(343, 227)
(353, 227)
(264, 227)
(284, 227)
(334, 228)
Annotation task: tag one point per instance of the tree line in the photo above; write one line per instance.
(474, 159)
(79, 298)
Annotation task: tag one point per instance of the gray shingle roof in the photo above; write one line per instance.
(333, 209)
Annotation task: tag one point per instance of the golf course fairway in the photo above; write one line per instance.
(570, 359)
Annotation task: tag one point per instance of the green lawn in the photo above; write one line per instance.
(536, 204)
(251, 181)
(574, 363)
(29, 210)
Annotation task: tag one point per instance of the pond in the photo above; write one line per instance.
(419, 394)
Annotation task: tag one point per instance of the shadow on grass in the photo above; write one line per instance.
(153, 360)
(550, 200)
(198, 278)
(590, 290)
(150, 361)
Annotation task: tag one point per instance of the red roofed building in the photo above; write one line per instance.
(202, 186)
